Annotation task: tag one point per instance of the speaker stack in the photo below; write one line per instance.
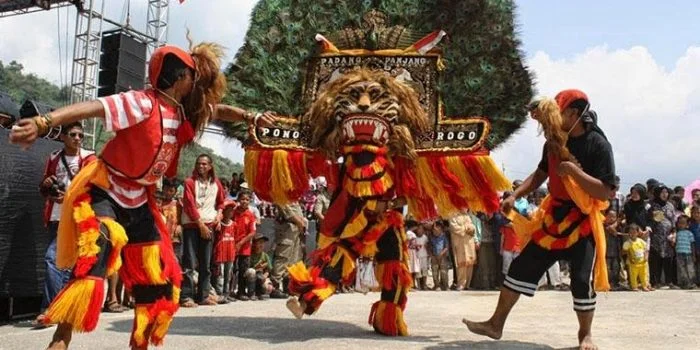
(122, 63)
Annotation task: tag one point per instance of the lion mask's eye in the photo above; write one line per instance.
(354, 94)
(374, 93)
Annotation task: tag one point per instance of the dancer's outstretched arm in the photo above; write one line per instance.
(27, 130)
(234, 114)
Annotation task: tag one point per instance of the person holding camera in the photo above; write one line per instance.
(61, 167)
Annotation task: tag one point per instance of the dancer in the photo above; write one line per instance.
(386, 120)
(109, 211)
(578, 161)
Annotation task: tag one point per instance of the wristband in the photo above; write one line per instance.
(49, 120)
(256, 117)
(41, 126)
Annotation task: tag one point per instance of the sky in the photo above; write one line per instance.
(637, 60)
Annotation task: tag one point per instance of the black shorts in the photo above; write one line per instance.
(138, 223)
(527, 269)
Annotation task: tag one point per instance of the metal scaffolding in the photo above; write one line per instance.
(86, 61)
(157, 24)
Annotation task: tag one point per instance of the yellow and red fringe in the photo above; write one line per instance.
(79, 304)
(118, 238)
(393, 274)
(281, 176)
(439, 184)
(387, 318)
(525, 228)
(309, 286)
(158, 316)
(88, 234)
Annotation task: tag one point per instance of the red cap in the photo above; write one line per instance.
(566, 97)
(158, 56)
(229, 203)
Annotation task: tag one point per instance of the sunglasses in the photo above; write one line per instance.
(79, 135)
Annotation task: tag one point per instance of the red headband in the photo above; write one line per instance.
(566, 97)
(156, 64)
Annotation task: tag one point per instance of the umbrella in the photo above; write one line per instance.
(688, 196)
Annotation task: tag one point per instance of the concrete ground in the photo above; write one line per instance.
(665, 319)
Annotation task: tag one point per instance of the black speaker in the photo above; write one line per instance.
(122, 63)
(8, 108)
(23, 237)
(31, 108)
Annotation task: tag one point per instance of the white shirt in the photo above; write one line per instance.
(63, 178)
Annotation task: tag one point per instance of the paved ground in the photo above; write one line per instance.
(625, 320)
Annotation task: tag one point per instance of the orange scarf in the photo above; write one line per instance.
(590, 206)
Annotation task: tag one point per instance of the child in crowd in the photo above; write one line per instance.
(418, 255)
(510, 244)
(694, 227)
(413, 263)
(613, 245)
(635, 249)
(259, 270)
(684, 242)
(226, 185)
(244, 221)
(225, 248)
(171, 208)
(439, 256)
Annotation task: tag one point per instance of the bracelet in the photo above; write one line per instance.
(49, 120)
(41, 126)
(255, 119)
(248, 116)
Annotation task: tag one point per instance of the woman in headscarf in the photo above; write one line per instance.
(636, 207)
(661, 255)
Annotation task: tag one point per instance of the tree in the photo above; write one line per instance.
(28, 86)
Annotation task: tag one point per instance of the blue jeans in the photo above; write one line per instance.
(196, 256)
(55, 277)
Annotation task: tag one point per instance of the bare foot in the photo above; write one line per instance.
(586, 343)
(61, 337)
(646, 289)
(484, 328)
(295, 307)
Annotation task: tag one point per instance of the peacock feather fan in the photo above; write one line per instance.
(484, 71)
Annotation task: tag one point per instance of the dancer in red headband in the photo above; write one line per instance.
(578, 160)
(109, 220)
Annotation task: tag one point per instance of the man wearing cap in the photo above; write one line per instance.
(259, 270)
(109, 220)
(578, 161)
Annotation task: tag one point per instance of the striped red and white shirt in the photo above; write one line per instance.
(125, 110)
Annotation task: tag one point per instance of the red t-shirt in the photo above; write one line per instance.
(510, 240)
(225, 247)
(245, 225)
